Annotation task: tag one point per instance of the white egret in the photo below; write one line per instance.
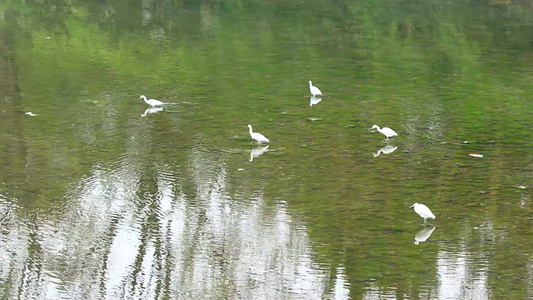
(152, 102)
(387, 150)
(385, 131)
(257, 136)
(256, 152)
(314, 90)
(423, 211)
(423, 235)
(31, 114)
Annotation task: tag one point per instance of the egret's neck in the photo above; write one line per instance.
(144, 98)
(250, 129)
(379, 129)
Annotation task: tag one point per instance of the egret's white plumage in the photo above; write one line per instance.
(386, 131)
(257, 136)
(314, 90)
(423, 211)
(152, 102)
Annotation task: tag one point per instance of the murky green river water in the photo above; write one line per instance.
(102, 198)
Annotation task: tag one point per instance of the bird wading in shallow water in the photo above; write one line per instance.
(423, 211)
(152, 102)
(314, 90)
(386, 131)
(257, 136)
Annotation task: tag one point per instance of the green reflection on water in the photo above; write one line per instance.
(450, 78)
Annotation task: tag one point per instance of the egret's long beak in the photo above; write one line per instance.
(411, 206)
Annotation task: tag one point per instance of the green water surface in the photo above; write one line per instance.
(103, 199)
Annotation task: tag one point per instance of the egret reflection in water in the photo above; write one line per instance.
(152, 110)
(258, 151)
(424, 234)
(386, 150)
(314, 100)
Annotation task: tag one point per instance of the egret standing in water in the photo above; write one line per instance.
(257, 136)
(152, 102)
(423, 211)
(314, 90)
(386, 131)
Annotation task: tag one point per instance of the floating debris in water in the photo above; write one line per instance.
(31, 114)
(521, 187)
(314, 119)
(476, 155)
